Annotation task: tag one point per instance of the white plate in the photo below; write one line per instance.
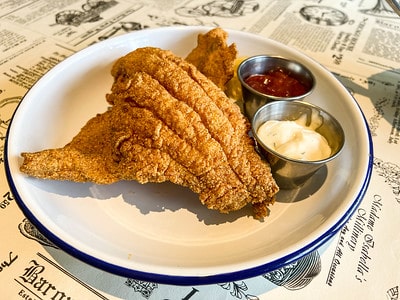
(161, 232)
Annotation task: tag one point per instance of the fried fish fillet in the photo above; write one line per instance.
(167, 122)
(213, 57)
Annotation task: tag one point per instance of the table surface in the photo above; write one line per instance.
(357, 41)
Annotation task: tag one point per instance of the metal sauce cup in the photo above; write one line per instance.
(292, 173)
(262, 64)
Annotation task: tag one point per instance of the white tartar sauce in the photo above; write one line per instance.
(293, 140)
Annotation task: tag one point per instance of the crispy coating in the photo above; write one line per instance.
(213, 57)
(167, 122)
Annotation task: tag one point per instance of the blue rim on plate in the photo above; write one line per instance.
(146, 37)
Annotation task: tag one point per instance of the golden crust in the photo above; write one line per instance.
(168, 122)
(213, 57)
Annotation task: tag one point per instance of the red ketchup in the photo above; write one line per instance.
(276, 83)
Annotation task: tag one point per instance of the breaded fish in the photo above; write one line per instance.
(167, 122)
(213, 57)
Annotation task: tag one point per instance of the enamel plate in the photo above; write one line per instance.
(161, 232)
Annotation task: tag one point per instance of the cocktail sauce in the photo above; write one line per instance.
(276, 83)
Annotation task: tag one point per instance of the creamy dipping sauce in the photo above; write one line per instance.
(294, 140)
